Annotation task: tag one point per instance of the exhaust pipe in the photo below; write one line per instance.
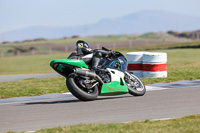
(88, 74)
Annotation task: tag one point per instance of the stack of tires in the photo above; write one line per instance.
(135, 60)
(147, 64)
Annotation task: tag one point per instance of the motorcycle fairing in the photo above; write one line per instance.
(117, 85)
(65, 66)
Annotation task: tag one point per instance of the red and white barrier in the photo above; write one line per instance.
(135, 60)
(147, 64)
(155, 65)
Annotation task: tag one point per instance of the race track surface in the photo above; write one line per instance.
(159, 104)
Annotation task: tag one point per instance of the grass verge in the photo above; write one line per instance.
(183, 64)
(32, 87)
(188, 124)
(29, 64)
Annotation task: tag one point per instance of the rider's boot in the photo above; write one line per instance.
(95, 63)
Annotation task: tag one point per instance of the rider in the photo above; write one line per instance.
(83, 48)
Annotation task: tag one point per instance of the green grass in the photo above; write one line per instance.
(32, 87)
(162, 46)
(97, 39)
(28, 64)
(183, 64)
(155, 36)
(189, 124)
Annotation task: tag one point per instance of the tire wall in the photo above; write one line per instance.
(147, 64)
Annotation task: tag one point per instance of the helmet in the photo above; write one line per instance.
(81, 44)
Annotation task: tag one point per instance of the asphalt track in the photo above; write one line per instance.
(167, 103)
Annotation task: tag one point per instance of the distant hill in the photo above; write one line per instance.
(135, 23)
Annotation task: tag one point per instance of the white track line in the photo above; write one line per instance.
(161, 119)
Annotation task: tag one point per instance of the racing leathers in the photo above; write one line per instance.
(97, 55)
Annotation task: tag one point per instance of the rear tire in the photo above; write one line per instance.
(78, 91)
(135, 85)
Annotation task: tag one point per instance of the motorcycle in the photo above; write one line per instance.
(112, 77)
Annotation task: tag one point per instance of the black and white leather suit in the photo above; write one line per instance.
(92, 56)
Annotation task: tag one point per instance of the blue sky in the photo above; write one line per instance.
(17, 14)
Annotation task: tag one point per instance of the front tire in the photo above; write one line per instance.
(134, 84)
(75, 88)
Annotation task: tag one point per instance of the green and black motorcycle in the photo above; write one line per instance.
(111, 79)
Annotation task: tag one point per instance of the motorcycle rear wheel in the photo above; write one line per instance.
(78, 91)
(134, 84)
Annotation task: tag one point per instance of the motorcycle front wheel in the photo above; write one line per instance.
(134, 84)
(74, 86)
